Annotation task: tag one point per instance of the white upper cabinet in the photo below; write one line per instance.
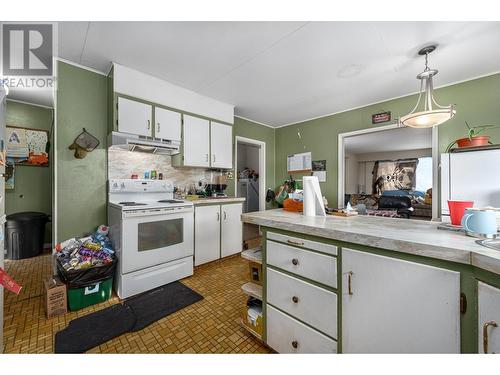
(488, 319)
(196, 142)
(221, 145)
(131, 82)
(395, 306)
(134, 117)
(167, 124)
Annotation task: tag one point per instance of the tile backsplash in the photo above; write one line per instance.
(122, 164)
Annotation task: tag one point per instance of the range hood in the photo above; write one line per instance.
(132, 142)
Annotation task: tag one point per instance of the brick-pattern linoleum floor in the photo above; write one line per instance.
(208, 326)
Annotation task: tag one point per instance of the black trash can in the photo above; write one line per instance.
(24, 234)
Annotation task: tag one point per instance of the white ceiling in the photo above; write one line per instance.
(284, 72)
(399, 139)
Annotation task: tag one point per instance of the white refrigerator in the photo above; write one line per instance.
(470, 175)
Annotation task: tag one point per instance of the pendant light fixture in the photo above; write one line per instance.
(431, 113)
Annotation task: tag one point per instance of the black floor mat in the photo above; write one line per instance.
(160, 302)
(136, 313)
(94, 329)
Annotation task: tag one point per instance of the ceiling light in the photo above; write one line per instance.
(431, 113)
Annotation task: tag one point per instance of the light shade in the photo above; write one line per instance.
(427, 119)
(427, 113)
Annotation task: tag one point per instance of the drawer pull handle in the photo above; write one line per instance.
(349, 283)
(295, 344)
(298, 243)
(295, 299)
(295, 261)
(485, 334)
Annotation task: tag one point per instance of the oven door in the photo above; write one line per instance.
(156, 236)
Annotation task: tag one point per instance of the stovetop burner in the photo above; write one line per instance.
(170, 201)
(132, 204)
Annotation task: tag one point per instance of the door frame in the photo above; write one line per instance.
(435, 164)
(262, 168)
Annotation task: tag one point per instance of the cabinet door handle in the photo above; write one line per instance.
(295, 299)
(295, 242)
(213, 157)
(295, 344)
(158, 129)
(149, 124)
(206, 156)
(485, 334)
(225, 216)
(295, 261)
(349, 283)
(218, 216)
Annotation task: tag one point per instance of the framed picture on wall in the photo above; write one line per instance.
(26, 146)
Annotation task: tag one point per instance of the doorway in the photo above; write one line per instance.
(389, 164)
(250, 179)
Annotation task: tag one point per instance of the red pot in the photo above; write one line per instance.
(480, 140)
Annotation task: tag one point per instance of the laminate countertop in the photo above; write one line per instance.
(227, 200)
(403, 235)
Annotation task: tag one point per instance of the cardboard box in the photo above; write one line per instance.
(255, 273)
(252, 243)
(256, 325)
(54, 297)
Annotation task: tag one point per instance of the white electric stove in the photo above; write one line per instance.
(152, 234)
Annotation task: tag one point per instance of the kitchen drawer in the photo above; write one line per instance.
(313, 245)
(287, 335)
(311, 304)
(318, 267)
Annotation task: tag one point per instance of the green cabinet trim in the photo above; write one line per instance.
(309, 281)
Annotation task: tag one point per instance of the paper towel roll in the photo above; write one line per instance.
(309, 200)
(313, 200)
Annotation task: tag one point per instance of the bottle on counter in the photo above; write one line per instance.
(146, 175)
(153, 174)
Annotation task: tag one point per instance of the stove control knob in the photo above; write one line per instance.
(123, 185)
(115, 185)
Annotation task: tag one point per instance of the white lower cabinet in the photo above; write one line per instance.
(206, 234)
(488, 319)
(218, 232)
(395, 306)
(311, 304)
(287, 335)
(231, 229)
(305, 263)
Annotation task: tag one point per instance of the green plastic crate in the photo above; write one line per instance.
(87, 296)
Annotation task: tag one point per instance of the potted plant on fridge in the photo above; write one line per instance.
(474, 137)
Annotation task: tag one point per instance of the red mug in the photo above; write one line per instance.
(457, 210)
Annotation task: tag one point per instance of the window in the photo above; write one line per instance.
(424, 174)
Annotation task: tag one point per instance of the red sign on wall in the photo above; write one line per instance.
(377, 118)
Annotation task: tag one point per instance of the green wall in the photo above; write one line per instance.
(249, 129)
(477, 101)
(82, 99)
(81, 183)
(33, 185)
